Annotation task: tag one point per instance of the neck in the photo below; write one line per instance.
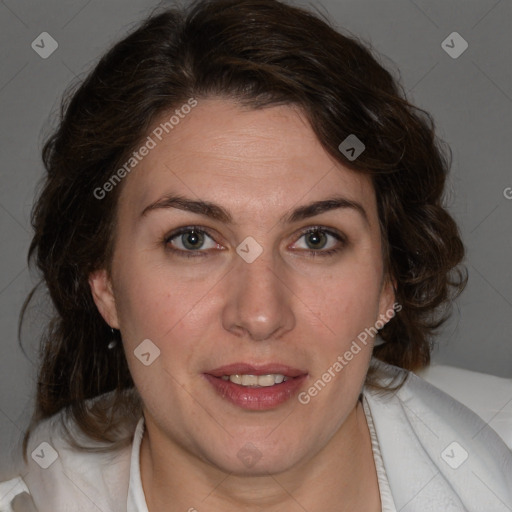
(340, 477)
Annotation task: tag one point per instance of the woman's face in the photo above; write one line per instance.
(247, 292)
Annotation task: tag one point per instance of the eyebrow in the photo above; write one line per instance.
(218, 213)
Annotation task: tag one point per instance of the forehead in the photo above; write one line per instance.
(240, 157)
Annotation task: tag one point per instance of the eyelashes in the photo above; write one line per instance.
(193, 240)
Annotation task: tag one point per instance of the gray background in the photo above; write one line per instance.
(470, 98)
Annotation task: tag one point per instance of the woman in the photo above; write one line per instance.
(238, 200)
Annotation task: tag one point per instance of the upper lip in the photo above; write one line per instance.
(251, 369)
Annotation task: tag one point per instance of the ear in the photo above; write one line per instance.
(387, 299)
(103, 295)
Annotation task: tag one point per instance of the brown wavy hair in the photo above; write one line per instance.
(260, 53)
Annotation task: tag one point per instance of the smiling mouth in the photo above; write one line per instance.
(254, 387)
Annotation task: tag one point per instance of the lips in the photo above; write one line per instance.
(256, 398)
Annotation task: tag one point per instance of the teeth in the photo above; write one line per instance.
(256, 380)
(265, 380)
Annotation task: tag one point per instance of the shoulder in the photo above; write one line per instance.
(487, 395)
(60, 477)
(428, 436)
(9, 491)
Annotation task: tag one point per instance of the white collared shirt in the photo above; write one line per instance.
(430, 451)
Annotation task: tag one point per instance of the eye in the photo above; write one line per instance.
(190, 242)
(193, 241)
(322, 241)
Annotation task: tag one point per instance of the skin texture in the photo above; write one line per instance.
(286, 307)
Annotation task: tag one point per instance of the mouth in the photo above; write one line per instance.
(256, 387)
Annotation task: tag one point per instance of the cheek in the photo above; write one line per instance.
(158, 321)
(348, 309)
(151, 298)
(170, 312)
(347, 302)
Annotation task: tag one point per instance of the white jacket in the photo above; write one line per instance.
(431, 453)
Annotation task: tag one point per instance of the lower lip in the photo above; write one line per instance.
(256, 399)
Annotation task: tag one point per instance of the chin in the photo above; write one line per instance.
(256, 458)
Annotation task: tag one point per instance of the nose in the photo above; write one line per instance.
(258, 301)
